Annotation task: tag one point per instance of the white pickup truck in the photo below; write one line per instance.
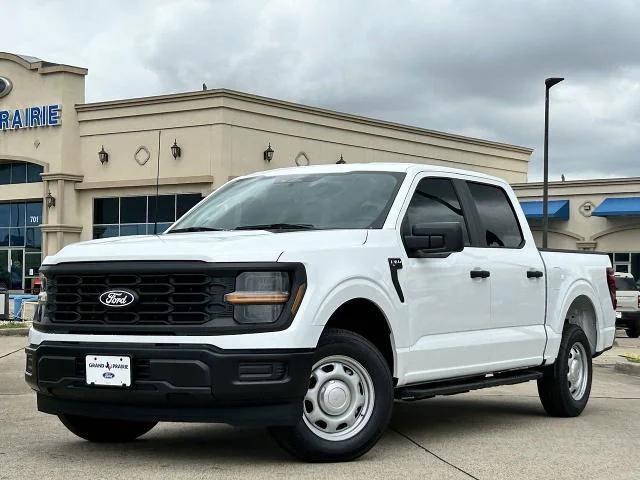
(306, 300)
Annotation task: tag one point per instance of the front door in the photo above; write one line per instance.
(448, 310)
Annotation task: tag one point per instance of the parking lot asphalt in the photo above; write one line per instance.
(498, 433)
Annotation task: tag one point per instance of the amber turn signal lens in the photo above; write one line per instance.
(256, 298)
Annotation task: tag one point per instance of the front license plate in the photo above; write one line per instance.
(618, 314)
(114, 371)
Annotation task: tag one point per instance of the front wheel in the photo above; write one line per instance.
(348, 402)
(565, 386)
(105, 430)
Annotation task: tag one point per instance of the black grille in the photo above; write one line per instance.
(192, 298)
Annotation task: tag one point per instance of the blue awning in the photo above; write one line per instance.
(558, 209)
(618, 207)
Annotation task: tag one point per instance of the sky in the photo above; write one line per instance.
(474, 68)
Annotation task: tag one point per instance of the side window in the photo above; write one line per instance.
(435, 200)
(497, 217)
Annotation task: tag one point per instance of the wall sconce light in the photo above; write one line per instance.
(51, 200)
(176, 151)
(103, 156)
(342, 161)
(268, 153)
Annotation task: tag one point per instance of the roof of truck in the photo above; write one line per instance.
(372, 167)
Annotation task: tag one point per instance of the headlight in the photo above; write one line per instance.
(259, 296)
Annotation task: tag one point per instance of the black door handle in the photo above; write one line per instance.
(534, 274)
(480, 273)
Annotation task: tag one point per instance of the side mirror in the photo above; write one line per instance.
(438, 239)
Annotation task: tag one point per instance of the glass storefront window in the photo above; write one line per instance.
(133, 210)
(33, 173)
(105, 231)
(20, 172)
(18, 210)
(20, 243)
(5, 173)
(166, 208)
(133, 229)
(106, 211)
(122, 216)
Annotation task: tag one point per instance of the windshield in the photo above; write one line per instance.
(625, 284)
(350, 200)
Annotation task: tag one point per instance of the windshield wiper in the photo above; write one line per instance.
(277, 226)
(194, 229)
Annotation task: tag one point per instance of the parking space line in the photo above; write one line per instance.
(407, 437)
(11, 353)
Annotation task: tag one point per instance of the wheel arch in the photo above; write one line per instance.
(579, 308)
(364, 309)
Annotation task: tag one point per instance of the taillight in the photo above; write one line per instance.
(611, 282)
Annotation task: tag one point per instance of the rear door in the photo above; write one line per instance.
(517, 277)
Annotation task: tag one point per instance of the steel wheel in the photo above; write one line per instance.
(340, 398)
(578, 372)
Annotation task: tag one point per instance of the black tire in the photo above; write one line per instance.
(554, 387)
(104, 430)
(301, 441)
(633, 330)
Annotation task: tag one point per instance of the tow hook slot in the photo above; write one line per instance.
(395, 264)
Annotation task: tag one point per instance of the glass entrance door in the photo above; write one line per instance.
(16, 267)
(12, 268)
(5, 275)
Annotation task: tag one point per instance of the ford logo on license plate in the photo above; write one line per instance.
(118, 298)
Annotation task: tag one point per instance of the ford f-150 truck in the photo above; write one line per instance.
(306, 300)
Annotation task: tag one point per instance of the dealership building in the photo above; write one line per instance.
(73, 171)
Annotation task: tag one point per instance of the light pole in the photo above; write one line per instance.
(549, 82)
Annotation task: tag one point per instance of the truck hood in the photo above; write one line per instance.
(242, 246)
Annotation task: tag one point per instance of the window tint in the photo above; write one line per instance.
(435, 200)
(497, 217)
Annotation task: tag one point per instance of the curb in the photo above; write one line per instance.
(14, 332)
(627, 367)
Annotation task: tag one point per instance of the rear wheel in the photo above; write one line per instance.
(348, 402)
(105, 430)
(565, 386)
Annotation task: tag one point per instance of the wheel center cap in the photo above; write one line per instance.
(335, 397)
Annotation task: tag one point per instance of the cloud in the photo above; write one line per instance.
(475, 68)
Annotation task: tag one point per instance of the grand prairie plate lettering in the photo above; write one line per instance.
(114, 371)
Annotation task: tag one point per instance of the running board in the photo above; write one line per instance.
(451, 387)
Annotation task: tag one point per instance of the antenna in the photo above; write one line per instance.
(155, 216)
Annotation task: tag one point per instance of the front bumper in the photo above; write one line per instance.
(174, 382)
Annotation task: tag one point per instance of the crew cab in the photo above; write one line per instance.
(307, 300)
(628, 304)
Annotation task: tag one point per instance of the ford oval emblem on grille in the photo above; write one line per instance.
(118, 298)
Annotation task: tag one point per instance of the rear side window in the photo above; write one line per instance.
(435, 200)
(497, 217)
